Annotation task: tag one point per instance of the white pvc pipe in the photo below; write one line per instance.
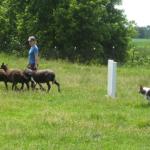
(111, 87)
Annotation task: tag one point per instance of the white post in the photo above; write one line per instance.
(111, 89)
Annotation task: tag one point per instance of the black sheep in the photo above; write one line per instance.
(3, 77)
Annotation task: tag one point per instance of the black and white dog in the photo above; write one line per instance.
(145, 91)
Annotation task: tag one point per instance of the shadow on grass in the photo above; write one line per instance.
(144, 105)
(143, 124)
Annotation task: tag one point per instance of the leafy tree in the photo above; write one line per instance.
(77, 30)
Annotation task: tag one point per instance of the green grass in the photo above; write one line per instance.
(142, 45)
(81, 117)
(142, 41)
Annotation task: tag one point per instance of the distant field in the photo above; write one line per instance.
(141, 41)
(142, 45)
(81, 117)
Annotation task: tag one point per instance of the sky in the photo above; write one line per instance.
(137, 10)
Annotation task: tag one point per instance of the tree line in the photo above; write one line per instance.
(143, 32)
(76, 30)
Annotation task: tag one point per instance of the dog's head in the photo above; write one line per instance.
(142, 90)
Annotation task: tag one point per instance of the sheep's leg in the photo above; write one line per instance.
(22, 86)
(58, 85)
(6, 85)
(13, 85)
(33, 85)
(27, 84)
(49, 86)
(16, 87)
(41, 87)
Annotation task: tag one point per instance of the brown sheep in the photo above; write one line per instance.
(43, 76)
(16, 76)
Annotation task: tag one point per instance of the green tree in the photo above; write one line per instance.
(77, 30)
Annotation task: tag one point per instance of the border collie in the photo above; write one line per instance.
(145, 91)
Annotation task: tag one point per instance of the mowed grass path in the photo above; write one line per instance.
(81, 117)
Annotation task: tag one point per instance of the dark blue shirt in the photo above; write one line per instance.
(32, 52)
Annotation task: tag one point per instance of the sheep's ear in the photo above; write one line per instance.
(141, 87)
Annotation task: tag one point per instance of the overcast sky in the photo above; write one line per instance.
(138, 10)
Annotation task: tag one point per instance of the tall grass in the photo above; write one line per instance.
(81, 117)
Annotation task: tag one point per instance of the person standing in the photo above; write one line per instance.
(33, 53)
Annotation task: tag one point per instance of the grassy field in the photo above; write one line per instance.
(142, 45)
(81, 117)
(142, 42)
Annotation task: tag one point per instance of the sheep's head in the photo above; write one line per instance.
(4, 66)
(28, 72)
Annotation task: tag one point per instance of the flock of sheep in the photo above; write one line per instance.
(27, 76)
